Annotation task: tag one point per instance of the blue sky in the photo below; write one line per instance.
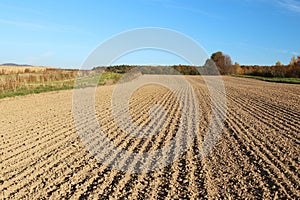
(63, 33)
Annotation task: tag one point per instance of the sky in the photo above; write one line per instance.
(64, 33)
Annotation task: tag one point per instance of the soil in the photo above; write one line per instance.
(256, 156)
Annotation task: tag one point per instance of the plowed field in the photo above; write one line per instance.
(256, 155)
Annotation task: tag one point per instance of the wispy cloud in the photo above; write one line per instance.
(10, 6)
(273, 50)
(291, 5)
(40, 58)
(35, 14)
(194, 10)
(279, 51)
(42, 27)
(23, 24)
(170, 4)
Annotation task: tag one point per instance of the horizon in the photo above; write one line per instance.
(131, 65)
(258, 32)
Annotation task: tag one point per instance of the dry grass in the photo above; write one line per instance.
(22, 80)
(26, 78)
(5, 70)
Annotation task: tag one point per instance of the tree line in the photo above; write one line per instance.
(225, 66)
(218, 63)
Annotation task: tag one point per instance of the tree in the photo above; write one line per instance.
(210, 68)
(278, 64)
(223, 62)
(279, 71)
(293, 61)
(227, 61)
(237, 68)
(218, 58)
(296, 68)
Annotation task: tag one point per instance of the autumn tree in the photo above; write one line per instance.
(293, 61)
(223, 62)
(237, 68)
(279, 71)
(278, 64)
(296, 67)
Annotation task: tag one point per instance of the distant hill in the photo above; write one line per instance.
(14, 64)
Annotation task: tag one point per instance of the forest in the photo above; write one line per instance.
(218, 63)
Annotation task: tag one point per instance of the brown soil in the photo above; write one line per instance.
(257, 155)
